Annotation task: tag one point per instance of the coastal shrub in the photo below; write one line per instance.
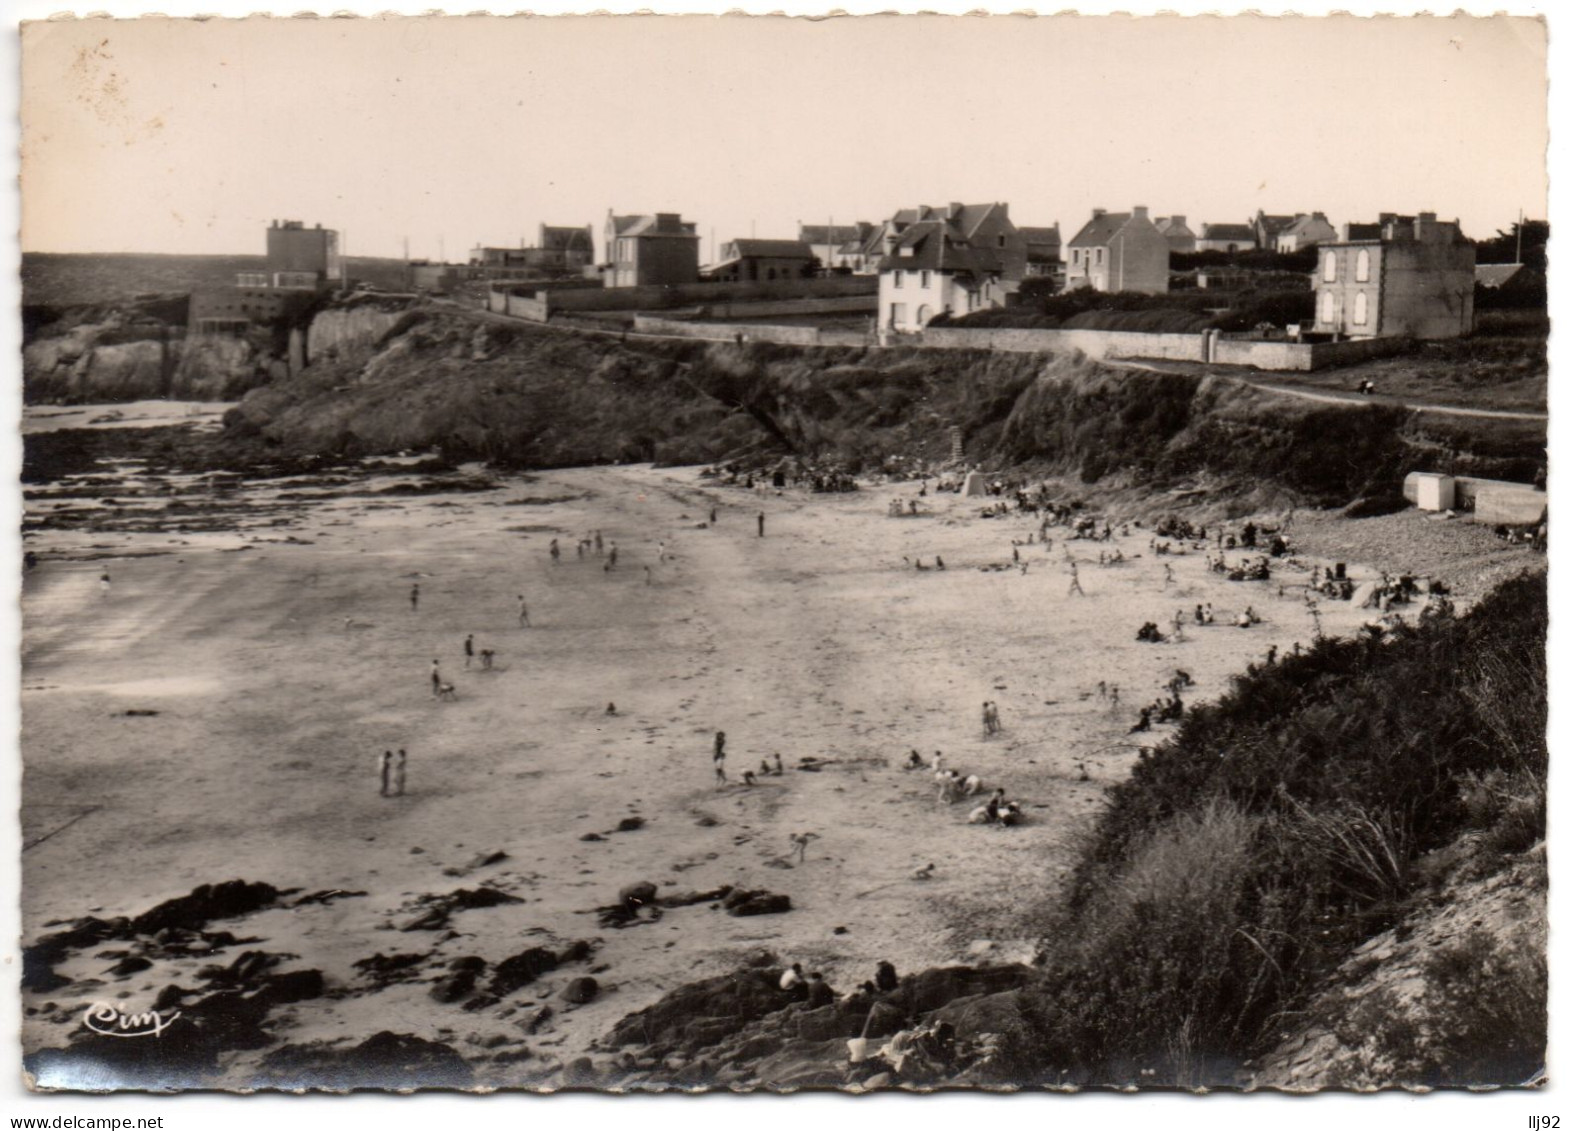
(1335, 771)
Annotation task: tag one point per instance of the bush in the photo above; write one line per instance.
(1372, 506)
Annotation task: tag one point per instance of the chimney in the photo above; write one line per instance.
(1319, 215)
(1097, 213)
(955, 208)
(1176, 220)
(1141, 212)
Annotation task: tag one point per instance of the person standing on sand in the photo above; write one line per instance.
(399, 768)
(1073, 580)
(103, 583)
(523, 611)
(436, 678)
(1170, 578)
(611, 560)
(719, 758)
(714, 516)
(555, 552)
(386, 761)
(468, 649)
(760, 524)
(599, 544)
(414, 597)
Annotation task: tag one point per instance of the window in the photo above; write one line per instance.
(1076, 257)
(1327, 307)
(1330, 268)
(1362, 265)
(926, 279)
(899, 279)
(1003, 241)
(1100, 255)
(1360, 305)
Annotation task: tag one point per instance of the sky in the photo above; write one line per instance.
(191, 136)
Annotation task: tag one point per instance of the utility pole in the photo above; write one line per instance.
(1520, 223)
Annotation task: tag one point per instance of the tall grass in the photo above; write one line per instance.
(1242, 860)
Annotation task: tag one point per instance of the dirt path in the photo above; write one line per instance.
(279, 674)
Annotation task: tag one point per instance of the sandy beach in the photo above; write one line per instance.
(279, 672)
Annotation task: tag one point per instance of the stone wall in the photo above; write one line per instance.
(696, 294)
(1114, 345)
(727, 331)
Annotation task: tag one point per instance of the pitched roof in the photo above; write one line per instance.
(1493, 275)
(829, 233)
(1100, 230)
(1274, 224)
(1303, 223)
(651, 226)
(565, 239)
(771, 249)
(1042, 235)
(937, 245)
(1176, 225)
(1227, 232)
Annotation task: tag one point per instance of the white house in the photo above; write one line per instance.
(953, 260)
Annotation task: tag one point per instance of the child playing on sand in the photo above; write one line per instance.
(400, 764)
(414, 597)
(719, 758)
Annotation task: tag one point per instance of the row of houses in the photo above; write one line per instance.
(662, 249)
(1401, 275)
(1286, 234)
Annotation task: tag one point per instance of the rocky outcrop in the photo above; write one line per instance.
(348, 332)
(217, 367)
(740, 1030)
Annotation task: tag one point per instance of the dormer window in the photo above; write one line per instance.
(907, 250)
(926, 279)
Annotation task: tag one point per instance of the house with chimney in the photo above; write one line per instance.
(952, 260)
(1117, 252)
(1229, 238)
(1306, 231)
(650, 251)
(1043, 252)
(1268, 229)
(1180, 237)
(1406, 276)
